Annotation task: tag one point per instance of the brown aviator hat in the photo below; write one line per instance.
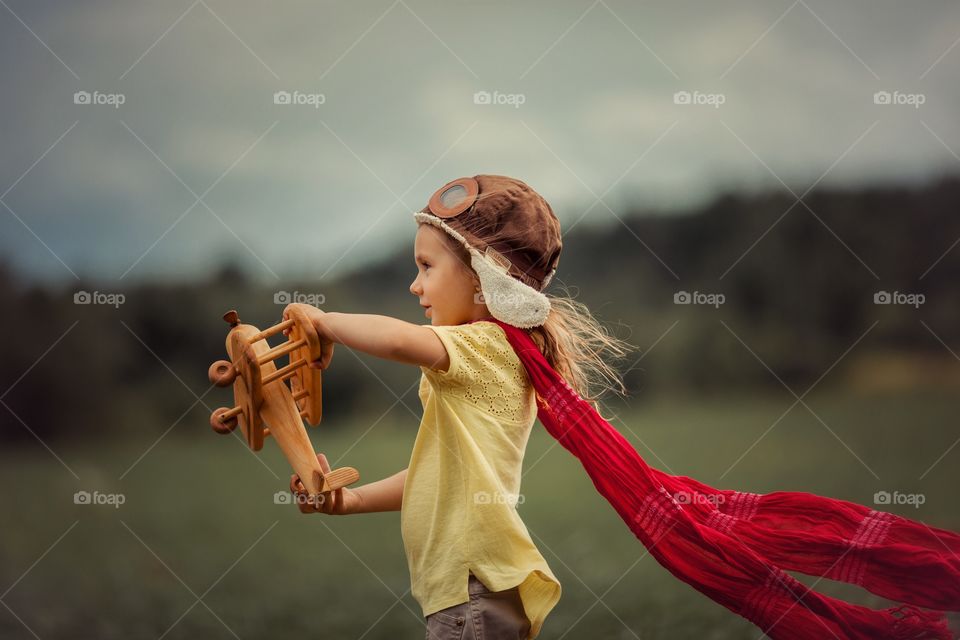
(513, 238)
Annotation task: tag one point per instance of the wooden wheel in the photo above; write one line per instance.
(222, 421)
(221, 373)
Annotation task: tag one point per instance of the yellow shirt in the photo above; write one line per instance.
(460, 497)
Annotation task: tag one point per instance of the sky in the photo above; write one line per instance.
(144, 140)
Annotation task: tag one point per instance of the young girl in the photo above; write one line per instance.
(498, 354)
(486, 247)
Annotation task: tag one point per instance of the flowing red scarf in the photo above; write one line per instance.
(736, 547)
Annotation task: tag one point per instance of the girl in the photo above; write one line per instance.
(485, 248)
(498, 354)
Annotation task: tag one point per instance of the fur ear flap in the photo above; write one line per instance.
(507, 298)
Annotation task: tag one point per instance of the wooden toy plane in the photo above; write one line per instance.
(263, 403)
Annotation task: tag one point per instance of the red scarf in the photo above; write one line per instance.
(736, 547)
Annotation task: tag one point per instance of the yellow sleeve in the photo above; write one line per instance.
(469, 349)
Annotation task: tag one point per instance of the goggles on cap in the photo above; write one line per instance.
(454, 198)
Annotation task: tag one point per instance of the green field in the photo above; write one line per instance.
(199, 521)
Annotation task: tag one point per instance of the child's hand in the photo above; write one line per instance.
(315, 316)
(338, 503)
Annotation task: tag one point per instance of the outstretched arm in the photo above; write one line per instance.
(381, 336)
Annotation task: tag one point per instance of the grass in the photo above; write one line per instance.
(199, 521)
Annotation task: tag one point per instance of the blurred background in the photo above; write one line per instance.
(761, 197)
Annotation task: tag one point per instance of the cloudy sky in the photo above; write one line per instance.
(152, 140)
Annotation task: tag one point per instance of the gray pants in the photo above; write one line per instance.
(488, 615)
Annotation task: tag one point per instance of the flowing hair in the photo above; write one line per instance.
(573, 341)
(581, 349)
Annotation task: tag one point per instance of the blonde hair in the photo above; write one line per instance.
(573, 341)
(581, 349)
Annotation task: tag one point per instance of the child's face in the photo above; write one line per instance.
(443, 284)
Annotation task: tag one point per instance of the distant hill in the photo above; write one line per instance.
(801, 283)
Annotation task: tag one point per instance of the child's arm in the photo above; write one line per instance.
(381, 336)
(382, 495)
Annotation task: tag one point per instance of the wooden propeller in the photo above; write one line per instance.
(264, 404)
